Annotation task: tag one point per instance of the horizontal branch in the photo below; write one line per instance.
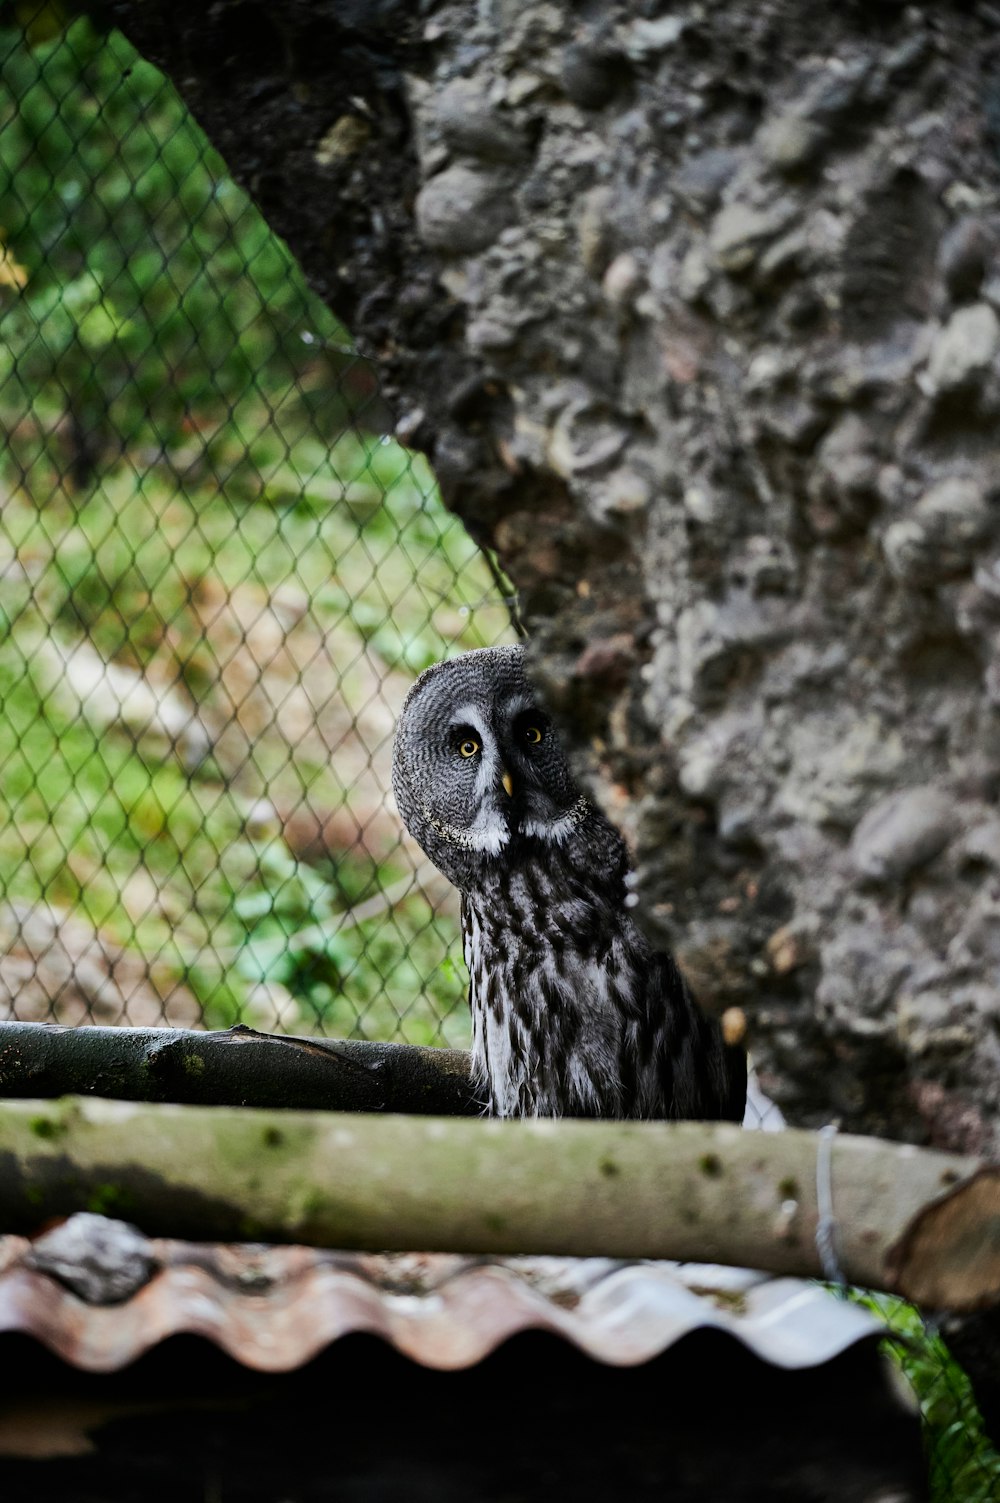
(912, 1221)
(236, 1068)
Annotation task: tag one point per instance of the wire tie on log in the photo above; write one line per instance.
(826, 1226)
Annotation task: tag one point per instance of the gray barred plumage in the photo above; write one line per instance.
(573, 1012)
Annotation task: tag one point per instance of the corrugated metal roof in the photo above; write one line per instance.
(274, 1308)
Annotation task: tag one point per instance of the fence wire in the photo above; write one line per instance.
(963, 1464)
(218, 577)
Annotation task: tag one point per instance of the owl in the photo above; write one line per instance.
(573, 1011)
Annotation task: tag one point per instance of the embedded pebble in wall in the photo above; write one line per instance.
(963, 257)
(463, 209)
(790, 142)
(740, 231)
(472, 127)
(982, 844)
(941, 536)
(964, 348)
(903, 831)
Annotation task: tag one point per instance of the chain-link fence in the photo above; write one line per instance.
(218, 581)
(963, 1464)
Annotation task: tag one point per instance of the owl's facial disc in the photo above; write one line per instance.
(547, 805)
(474, 775)
(478, 770)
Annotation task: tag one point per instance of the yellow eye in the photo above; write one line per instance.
(469, 748)
(533, 734)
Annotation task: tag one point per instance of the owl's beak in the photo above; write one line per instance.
(508, 783)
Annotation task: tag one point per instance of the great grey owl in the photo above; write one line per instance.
(573, 1012)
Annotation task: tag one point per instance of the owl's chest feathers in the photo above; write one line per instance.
(568, 1005)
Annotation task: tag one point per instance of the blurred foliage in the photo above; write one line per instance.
(153, 298)
(189, 467)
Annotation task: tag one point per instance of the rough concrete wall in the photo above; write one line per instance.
(695, 309)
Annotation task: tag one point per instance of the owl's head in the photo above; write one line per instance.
(477, 766)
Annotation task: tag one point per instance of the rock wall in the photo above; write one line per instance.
(695, 309)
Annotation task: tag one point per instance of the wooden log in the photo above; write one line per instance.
(238, 1067)
(697, 1191)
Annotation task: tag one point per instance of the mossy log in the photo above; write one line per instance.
(908, 1220)
(238, 1067)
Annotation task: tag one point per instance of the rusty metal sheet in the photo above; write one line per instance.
(274, 1308)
